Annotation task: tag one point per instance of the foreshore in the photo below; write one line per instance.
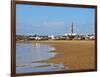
(74, 54)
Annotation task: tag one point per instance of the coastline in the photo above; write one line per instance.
(74, 54)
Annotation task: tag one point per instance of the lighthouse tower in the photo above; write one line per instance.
(72, 29)
(72, 33)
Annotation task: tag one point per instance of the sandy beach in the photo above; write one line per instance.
(74, 54)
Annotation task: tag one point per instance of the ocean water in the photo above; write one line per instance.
(31, 57)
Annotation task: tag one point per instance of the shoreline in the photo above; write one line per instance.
(74, 54)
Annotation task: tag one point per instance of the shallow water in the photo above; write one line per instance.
(32, 58)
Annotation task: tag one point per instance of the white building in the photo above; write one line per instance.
(52, 37)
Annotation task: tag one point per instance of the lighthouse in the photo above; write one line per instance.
(71, 34)
(72, 29)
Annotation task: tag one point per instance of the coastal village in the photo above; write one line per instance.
(67, 36)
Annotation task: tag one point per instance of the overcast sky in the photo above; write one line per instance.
(50, 20)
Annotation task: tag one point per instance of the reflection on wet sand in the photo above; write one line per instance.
(32, 58)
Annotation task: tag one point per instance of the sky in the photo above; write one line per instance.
(53, 20)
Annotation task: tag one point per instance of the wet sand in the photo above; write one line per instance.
(74, 54)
